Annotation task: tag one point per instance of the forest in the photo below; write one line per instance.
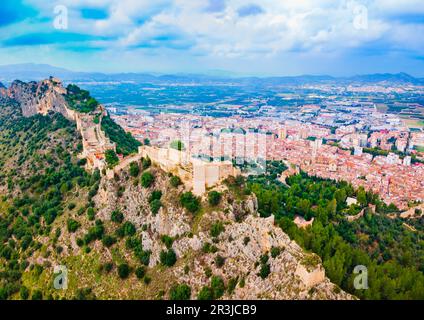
(80, 100)
(393, 254)
(126, 144)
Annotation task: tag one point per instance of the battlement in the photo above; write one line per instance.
(195, 173)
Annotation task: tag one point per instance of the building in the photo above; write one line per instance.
(392, 158)
(407, 161)
(195, 173)
(358, 151)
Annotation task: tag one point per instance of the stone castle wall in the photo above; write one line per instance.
(195, 173)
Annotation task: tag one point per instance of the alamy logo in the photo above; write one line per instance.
(60, 21)
(360, 20)
(361, 280)
(61, 279)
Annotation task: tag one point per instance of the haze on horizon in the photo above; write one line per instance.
(266, 37)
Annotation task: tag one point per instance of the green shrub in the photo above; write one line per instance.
(219, 261)
(123, 270)
(108, 241)
(147, 279)
(155, 205)
(216, 229)
(275, 252)
(146, 163)
(24, 293)
(156, 195)
(80, 242)
(81, 211)
(208, 272)
(128, 229)
(264, 258)
(217, 286)
(167, 241)
(144, 257)
(72, 225)
(108, 267)
(147, 179)
(232, 283)
(180, 292)
(37, 295)
(190, 202)
(111, 158)
(140, 272)
(214, 197)
(265, 271)
(117, 216)
(84, 294)
(205, 293)
(209, 248)
(94, 233)
(134, 169)
(168, 258)
(175, 181)
(91, 213)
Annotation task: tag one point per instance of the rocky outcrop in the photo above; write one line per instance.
(238, 210)
(50, 96)
(39, 97)
(294, 274)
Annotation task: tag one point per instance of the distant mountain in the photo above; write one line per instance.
(30, 71)
(386, 77)
(36, 72)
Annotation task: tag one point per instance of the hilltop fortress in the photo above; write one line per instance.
(49, 96)
(195, 173)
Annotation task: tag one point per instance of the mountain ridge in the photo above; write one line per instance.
(36, 72)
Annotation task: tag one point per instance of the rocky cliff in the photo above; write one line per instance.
(49, 96)
(245, 240)
(38, 97)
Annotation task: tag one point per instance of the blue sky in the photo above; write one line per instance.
(258, 37)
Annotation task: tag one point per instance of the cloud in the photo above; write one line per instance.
(225, 31)
(12, 11)
(216, 6)
(250, 10)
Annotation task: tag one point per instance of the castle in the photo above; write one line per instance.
(195, 173)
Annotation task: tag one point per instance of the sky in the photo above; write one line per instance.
(240, 37)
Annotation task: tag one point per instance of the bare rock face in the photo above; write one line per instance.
(246, 238)
(294, 274)
(39, 97)
(239, 210)
(311, 277)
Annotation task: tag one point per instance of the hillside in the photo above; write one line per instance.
(136, 235)
(39, 175)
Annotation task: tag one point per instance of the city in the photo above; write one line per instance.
(353, 142)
